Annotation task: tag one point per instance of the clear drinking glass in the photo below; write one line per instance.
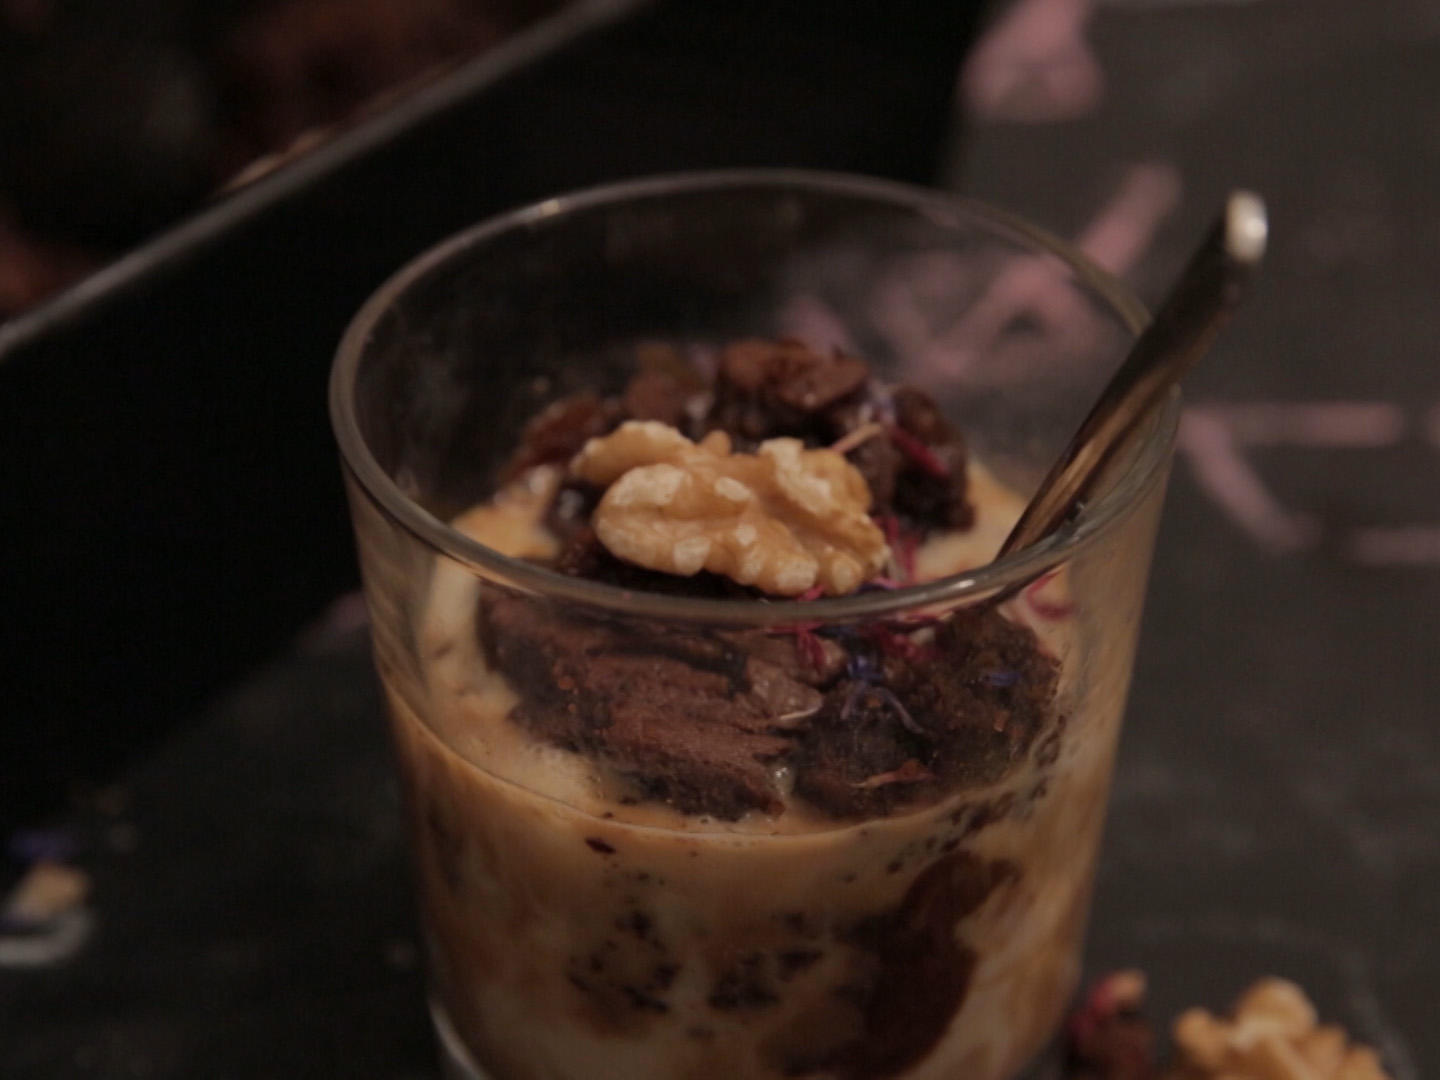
(580, 928)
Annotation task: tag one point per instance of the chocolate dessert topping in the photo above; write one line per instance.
(914, 463)
(859, 720)
(703, 721)
(689, 719)
(910, 721)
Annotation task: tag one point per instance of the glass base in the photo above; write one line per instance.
(457, 1064)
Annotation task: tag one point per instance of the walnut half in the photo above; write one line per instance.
(784, 519)
(1272, 1035)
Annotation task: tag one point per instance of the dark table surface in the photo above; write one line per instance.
(1277, 803)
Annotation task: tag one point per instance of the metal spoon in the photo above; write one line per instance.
(1183, 330)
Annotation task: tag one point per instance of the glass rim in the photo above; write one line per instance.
(1013, 571)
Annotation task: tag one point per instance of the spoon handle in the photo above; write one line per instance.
(1201, 302)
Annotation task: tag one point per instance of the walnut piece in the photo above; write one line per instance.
(783, 519)
(1272, 1035)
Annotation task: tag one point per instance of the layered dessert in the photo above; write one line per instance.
(667, 847)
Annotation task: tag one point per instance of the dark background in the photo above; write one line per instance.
(224, 782)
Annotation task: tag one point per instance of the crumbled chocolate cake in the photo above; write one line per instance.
(700, 721)
(690, 719)
(865, 719)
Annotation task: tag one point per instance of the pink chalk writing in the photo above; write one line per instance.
(1218, 440)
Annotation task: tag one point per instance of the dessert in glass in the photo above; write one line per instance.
(728, 749)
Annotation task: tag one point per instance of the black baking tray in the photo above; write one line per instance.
(171, 509)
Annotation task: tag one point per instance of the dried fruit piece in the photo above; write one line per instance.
(784, 519)
(554, 434)
(769, 388)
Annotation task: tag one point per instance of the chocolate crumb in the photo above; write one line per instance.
(867, 720)
(794, 961)
(596, 844)
(637, 923)
(671, 711)
(643, 1000)
(932, 724)
(745, 985)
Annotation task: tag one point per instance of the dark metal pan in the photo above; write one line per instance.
(171, 507)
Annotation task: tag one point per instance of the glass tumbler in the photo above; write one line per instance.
(585, 925)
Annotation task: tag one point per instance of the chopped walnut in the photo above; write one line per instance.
(784, 519)
(1273, 1034)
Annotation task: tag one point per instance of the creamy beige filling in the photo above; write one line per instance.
(528, 866)
(474, 701)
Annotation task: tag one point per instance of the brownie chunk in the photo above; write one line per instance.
(915, 724)
(691, 720)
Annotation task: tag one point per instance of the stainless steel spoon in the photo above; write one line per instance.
(1198, 305)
